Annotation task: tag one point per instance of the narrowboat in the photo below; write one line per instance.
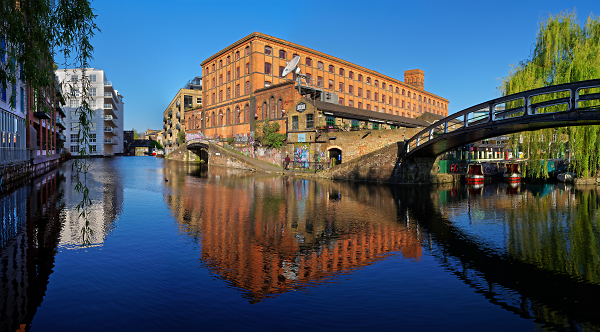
(474, 174)
(512, 173)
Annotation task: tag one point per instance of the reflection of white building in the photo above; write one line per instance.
(106, 136)
(105, 184)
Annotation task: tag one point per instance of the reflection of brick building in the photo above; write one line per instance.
(242, 83)
(286, 234)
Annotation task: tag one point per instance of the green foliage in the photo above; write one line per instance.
(181, 137)
(564, 52)
(267, 134)
(136, 135)
(156, 145)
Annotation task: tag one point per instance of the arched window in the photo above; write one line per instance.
(360, 77)
(228, 117)
(265, 111)
(272, 107)
(280, 108)
(247, 51)
(246, 113)
(268, 50)
(308, 62)
(220, 117)
(237, 114)
(213, 120)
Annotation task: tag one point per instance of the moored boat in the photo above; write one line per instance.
(565, 177)
(474, 174)
(512, 173)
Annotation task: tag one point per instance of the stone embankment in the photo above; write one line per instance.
(16, 175)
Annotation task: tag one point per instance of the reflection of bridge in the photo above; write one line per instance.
(511, 283)
(548, 107)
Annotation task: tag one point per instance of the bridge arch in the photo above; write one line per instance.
(335, 152)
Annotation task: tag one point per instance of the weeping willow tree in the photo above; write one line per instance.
(564, 52)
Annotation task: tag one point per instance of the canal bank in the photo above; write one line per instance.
(17, 174)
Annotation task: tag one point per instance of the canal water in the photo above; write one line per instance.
(174, 246)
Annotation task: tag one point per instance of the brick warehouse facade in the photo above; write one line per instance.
(242, 83)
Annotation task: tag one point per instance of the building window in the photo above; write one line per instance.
(247, 68)
(308, 62)
(341, 101)
(267, 68)
(237, 90)
(93, 92)
(213, 98)
(237, 114)
(319, 81)
(351, 75)
(228, 76)
(267, 84)
(354, 123)
(309, 121)
(341, 87)
(368, 94)
(220, 95)
(272, 113)
(383, 109)
(350, 89)
(408, 105)
(220, 117)
(228, 93)
(383, 99)
(397, 102)
(391, 90)
(376, 83)
(265, 111)
(331, 69)
(74, 138)
(228, 117)
(268, 50)
(237, 55)
(246, 113)
(320, 65)
(330, 120)
(93, 78)
(309, 78)
(376, 94)
(247, 51)
(375, 109)
(350, 103)
(375, 125)
(397, 90)
(368, 107)
(74, 149)
(279, 108)
(368, 80)
(360, 77)
(359, 104)
(247, 91)
(341, 71)
(92, 103)
(214, 82)
(281, 68)
(403, 104)
(331, 84)
(390, 100)
(383, 85)
(228, 59)
(237, 72)
(220, 63)
(92, 138)
(295, 122)
(221, 79)
(282, 54)
(214, 67)
(403, 92)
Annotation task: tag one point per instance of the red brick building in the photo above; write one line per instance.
(242, 83)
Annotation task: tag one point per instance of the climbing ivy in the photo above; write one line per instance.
(564, 52)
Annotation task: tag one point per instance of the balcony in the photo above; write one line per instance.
(177, 126)
(60, 137)
(110, 141)
(107, 83)
(42, 115)
(110, 131)
(108, 109)
(108, 94)
(164, 127)
(61, 123)
(110, 120)
(178, 115)
(169, 131)
(169, 122)
(108, 106)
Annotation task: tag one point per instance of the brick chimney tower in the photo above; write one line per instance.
(415, 77)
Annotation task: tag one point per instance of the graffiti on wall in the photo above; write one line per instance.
(301, 153)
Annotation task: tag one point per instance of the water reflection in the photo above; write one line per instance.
(533, 252)
(267, 235)
(30, 228)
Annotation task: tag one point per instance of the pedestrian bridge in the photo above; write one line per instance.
(571, 104)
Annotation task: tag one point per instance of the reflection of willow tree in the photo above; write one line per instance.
(564, 52)
(564, 241)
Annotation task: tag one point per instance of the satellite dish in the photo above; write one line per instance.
(292, 66)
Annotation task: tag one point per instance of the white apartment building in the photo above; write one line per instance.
(106, 135)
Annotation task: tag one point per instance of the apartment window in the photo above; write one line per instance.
(228, 117)
(267, 84)
(93, 78)
(93, 92)
(350, 103)
(74, 149)
(214, 82)
(376, 83)
(281, 68)
(267, 68)
(237, 55)
(228, 76)
(213, 98)
(247, 68)
(341, 101)
(228, 59)
(319, 81)
(351, 75)
(420, 110)
(295, 122)
(74, 138)
(237, 72)
(383, 109)
(282, 54)
(331, 84)
(397, 90)
(390, 100)
(375, 109)
(220, 63)
(220, 79)
(383, 85)
(359, 104)
(368, 94)
(320, 65)
(397, 102)
(92, 103)
(383, 99)
(360, 77)
(309, 121)
(214, 67)
(237, 90)
(309, 78)
(403, 92)
(247, 90)
(403, 104)
(331, 69)
(408, 105)
(268, 50)
(308, 62)
(368, 80)
(73, 103)
(92, 138)
(368, 107)
(247, 51)
(350, 89)
(207, 69)
(408, 94)
(341, 87)
(220, 95)
(341, 71)
(391, 90)
(360, 92)
(74, 78)
(228, 93)
(376, 94)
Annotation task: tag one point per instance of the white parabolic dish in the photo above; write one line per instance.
(291, 66)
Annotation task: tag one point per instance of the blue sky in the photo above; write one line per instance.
(150, 49)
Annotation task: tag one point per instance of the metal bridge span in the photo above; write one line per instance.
(549, 107)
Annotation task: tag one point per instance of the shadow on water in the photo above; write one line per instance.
(549, 271)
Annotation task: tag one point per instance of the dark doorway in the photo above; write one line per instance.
(336, 155)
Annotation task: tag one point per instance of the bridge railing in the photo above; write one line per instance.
(578, 96)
